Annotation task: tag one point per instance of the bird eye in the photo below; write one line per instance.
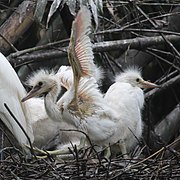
(137, 80)
(40, 83)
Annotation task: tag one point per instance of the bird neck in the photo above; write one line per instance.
(50, 103)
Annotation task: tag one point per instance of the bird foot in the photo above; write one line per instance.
(107, 154)
(46, 153)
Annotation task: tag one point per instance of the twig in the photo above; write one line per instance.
(92, 146)
(31, 149)
(149, 51)
(9, 43)
(155, 26)
(37, 48)
(112, 31)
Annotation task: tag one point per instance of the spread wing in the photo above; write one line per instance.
(80, 47)
(89, 96)
(80, 50)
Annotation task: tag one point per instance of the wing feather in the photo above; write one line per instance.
(80, 47)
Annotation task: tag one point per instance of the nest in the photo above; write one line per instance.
(159, 165)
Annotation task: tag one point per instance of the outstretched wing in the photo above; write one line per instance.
(80, 47)
(89, 96)
(80, 50)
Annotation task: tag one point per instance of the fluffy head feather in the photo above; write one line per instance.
(131, 75)
(65, 76)
(42, 83)
(40, 76)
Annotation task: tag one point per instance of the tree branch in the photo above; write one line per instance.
(16, 24)
(135, 43)
(164, 86)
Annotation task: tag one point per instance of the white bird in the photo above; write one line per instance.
(31, 114)
(93, 116)
(45, 83)
(66, 78)
(45, 128)
(11, 93)
(126, 97)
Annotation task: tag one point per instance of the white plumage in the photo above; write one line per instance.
(126, 97)
(95, 117)
(11, 92)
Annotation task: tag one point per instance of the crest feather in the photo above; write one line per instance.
(40, 76)
(133, 71)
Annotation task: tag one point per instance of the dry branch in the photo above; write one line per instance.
(164, 86)
(16, 24)
(169, 126)
(136, 43)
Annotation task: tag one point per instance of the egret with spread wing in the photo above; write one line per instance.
(82, 100)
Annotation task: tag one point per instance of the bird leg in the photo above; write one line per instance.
(54, 152)
(123, 149)
(59, 152)
(82, 143)
(107, 153)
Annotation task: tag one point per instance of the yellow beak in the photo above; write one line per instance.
(147, 84)
(32, 93)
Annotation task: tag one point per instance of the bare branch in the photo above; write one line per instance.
(135, 43)
(164, 86)
(16, 24)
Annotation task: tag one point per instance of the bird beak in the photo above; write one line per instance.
(147, 84)
(32, 93)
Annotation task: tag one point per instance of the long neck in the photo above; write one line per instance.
(50, 104)
(68, 110)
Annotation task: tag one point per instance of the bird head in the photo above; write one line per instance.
(42, 83)
(133, 77)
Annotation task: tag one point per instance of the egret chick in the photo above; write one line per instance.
(126, 97)
(82, 94)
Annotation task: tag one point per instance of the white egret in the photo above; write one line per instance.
(45, 128)
(93, 117)
(11, 92)
(65, 75)
(126, 97)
